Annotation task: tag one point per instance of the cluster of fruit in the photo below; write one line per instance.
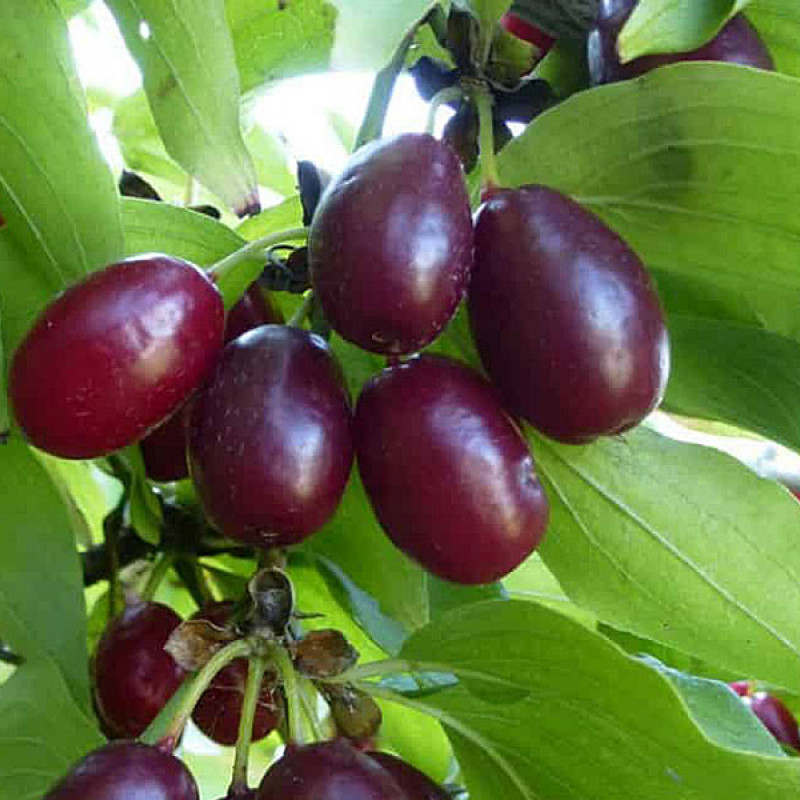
(569, 330)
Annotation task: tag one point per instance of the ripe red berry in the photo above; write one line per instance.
(742, 688)
(126, 771)
(448, 474)
(527, 31)
(738, 42)
(164, 450)
(565, 317)
(331, 770)
(269, 439)
(134, 676)
(415, 784)
(390, 246)
(115, 354)
(775, 717)
(219, 709)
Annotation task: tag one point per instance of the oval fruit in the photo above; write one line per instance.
(134, 676)
(528, 32)
(269, 437)
(565, 317)
(775, 717)
(164, 449)
(123, 771)
(447, 472)
(414, 783)
(390, 246)
(737, 42)
(115, 354)
(219, 709)
(331, 770)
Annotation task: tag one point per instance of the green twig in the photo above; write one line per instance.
(194, 579)
(308, 697)
(223, 267)
(381, 94)
(111, 528)
(252, 693)
(447, 95)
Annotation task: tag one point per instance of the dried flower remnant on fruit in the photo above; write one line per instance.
(356, 715)
(195, 641)
(273, 599)
(324, 654)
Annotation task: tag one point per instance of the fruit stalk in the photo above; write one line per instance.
(179, 709)
(299, 316)
(291, 689)
(381, 94)
(226, 271)
(490, 177)
(449, 94)
(252, 690)
(308, 698)
(160, 568)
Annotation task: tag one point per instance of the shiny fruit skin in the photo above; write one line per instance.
(528, 32)
(447, 472)
(269, 438)
(737, 42)
(331, 770)
(775, 717)
(134, 676)
(416, 785)
(219, 709)
(565, 317)
(116, 354)
(390, 246)
(126, 771)
(253, 309)
(164, 449)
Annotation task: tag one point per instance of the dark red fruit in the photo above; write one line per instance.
(164, 450)
(738, 42)
(219, 710)
(134, 676)
(449, 476)
(270, 443)
(775, 717)
(414, 783)
(331, 770)
(742, 688)
(114, 355)
(126, 771)
(527, 31)
(252, 310)
(390, 246)
(565, 317)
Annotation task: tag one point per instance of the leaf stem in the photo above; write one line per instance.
(381, 94)
(178, 712)
(447, 95)
(190, 572)
(308, 696)
(294, 712)
(252, 691)
(490, 177)
(160, 568)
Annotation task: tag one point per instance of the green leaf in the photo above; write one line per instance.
(589, 722)
(707, 212)
(778, 24)
(56, 193)
(368, 33)
(272, 161)
(185, 52)
(385, 591)
(5, 419)
(280, 40)
(288, 214)
(724, 718)
(642, 535)
(72, 7)
(735, 373)
(674, 26)
(41, 608)
(42, 730)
